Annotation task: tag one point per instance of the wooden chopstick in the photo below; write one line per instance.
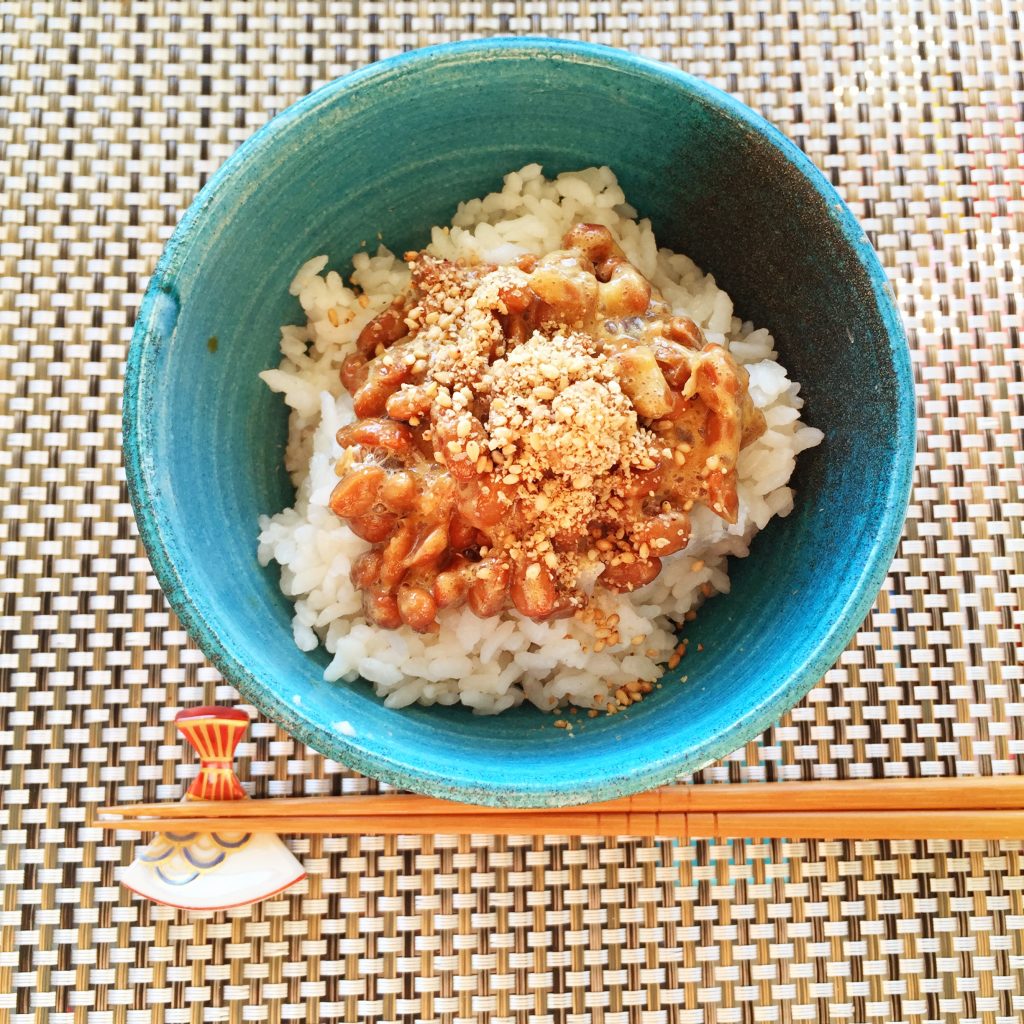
(994, 792)
(965, 808)
(931, 824)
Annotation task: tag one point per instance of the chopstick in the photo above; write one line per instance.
(967, 808)
(867, 795)
(954, 824)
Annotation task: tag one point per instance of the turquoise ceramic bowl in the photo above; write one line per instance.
(392, 149)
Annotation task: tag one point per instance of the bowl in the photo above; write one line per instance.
(390, 150)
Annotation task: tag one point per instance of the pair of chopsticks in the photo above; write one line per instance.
(962, 808)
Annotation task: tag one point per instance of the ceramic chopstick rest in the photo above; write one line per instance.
(195, 870)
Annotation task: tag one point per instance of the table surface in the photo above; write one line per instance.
(112, 115)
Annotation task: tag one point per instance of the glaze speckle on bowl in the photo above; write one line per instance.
(390, 150)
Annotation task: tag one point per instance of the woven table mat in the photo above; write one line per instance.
(112, 115)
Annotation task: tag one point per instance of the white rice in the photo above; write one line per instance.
(491, 665)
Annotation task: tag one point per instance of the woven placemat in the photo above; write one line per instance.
(112, 115)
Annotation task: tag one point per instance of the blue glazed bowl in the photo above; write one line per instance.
(392, 149)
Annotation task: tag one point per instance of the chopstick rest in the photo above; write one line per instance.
(213, 870)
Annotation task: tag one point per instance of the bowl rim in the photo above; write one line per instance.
(401, 771)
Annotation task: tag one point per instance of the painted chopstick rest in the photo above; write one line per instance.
(213, 870)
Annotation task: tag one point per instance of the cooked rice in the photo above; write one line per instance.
(493, 664)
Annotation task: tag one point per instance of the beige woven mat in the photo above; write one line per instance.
(111, 116)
